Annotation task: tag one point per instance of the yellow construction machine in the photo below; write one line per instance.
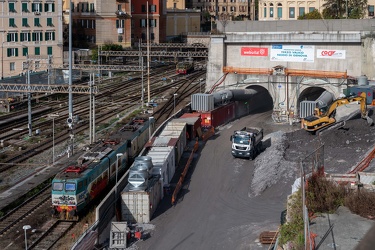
(323, 118)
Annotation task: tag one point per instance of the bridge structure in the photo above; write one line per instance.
(292, 60)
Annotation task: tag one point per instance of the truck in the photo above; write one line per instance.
(247, 142)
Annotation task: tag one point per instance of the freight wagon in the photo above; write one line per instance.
(138, 206)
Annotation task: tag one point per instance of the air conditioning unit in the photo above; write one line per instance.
(37, 13)
(120, 31)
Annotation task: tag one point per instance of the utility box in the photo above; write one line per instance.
(119, 231)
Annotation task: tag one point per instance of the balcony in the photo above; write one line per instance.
(120, 13)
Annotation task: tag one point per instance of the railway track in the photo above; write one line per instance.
(14, 217)
(53, 234)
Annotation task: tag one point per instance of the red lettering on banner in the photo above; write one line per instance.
(254, 51)
(328, 52)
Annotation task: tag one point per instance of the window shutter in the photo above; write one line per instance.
(16, 50)
(46, 7)
(46, 36)
(21, 37)
(33, 7)
(16, 37)
(9, 52)
(117, 23)
(53, 36)
(41, 36)
(53, 7)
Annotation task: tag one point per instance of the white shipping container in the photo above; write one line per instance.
(139, 206)
(163, 159)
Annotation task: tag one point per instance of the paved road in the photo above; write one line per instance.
(216, 211)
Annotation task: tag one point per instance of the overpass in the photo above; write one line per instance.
(292, 60)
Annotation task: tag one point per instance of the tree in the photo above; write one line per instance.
(312, 15)
(336, 9)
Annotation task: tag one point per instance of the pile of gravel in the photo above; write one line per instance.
(271, 167)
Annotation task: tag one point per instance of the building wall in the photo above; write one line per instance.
(181, 21)
(30, 31)
(176, 4)
(291, 10)
(229, 9)
(98, 22)
(156, 17)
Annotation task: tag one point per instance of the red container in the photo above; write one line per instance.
(218, 116)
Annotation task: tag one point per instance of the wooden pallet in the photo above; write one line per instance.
(268, 237)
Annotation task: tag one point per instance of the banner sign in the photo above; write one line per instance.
(292, 53)
(254, 51)
(331, 53)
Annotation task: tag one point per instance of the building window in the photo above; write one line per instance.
(12, 66)
(143, 23)
(152, 8)
(120, 23)
(49, 51)
(311, 9)
(152, 36)
(119, 8)
(12, 52)
(292, 12)
(37, 22)
(24, 22)
(25, 37)
(72, 6)
(143, 36)
(371, 10)
(279, 11)
(37, 63)
(49, 7)
(25, 8)
(37, 51)
(301, 11)
(37, 36)
(143, 8)
(152, 23)
(49, 22)
(11, 7)
(265, 12)
(119, 39)
(92, 7)
(12, 37)
(12, 23)
(271, 12)
(36, 7)
(50, 36)
(25, 51)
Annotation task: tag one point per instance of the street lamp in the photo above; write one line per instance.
(174, 103)
(53, 136)
(26, 227)
(118, 155)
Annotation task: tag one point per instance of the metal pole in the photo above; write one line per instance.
(90, 109)
(118, 155)
(141, 62)
(25, 240)
(53, 141)
(29, 97)
(71, 125)
(2, 59)
(26, 227)
(148, 58)
(149, 127)
(93, 113)
(174, 104)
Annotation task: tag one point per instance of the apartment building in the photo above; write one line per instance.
(156, 20)
(31, 31)
(229, 9)
(291, 10)
(97, 22)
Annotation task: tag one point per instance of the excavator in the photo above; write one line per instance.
(324, 118)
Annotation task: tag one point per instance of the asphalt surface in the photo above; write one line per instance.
(216, 210)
